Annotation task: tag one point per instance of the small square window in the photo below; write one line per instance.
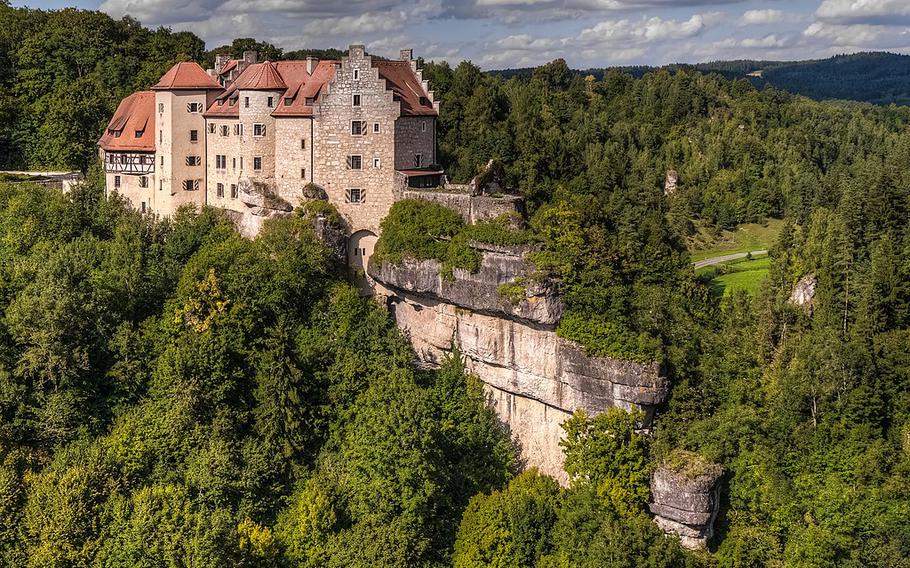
(190, 184)
(193, 160)
(257, 163)
(355, 162)
(212, 128)
(355, 195)
(116, 181)
(375, 128)
(357, 127)
(194, 135)
(225, 130)
(193, 107)
(377, 163)
(258, 130)
(355, 100)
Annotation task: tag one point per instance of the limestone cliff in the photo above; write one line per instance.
(685, 498)
(536, 379)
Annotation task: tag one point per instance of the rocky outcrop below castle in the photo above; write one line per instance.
(535, 378)
(685, 499)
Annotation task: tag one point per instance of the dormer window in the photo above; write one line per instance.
(139, 133)
(117, 133)
(424, 101)
(288, 101)
(310, 101)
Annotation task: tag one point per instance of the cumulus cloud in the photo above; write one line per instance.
(761, 17)
(875, 12)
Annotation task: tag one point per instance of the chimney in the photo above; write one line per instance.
(310, 65)
(406, 54)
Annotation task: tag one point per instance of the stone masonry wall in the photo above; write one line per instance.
(291, 156)
(334, 142)
(415, 135)
(229, 147)
(173, 124)
(472, 208)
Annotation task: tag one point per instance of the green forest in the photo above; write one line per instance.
(174, 395)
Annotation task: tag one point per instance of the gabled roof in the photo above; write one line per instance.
(402, 80)
(186, 75)
(261, 77)
(133, 116)
(303, 88)
(228, 66)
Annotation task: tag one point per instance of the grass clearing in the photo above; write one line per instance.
(748, 237)
(742, 274)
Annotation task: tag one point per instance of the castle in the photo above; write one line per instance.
(253, 138)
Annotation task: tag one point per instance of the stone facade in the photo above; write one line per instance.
(175, 125)
(336, 145)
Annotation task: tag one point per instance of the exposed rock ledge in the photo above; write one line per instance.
(480, 291)
(536, 379)
(685, 504)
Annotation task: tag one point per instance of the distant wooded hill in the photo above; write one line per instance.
(876, 77)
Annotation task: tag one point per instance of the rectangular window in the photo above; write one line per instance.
(246, 102)
(225, 130)
(220, 161)
(375, 128)
(355, 100)
(259, 130)
(302, 173)
(233, 191)
(162, 159)
(357, 128)
(354, 195)
(356, 74)
(418, 160)
(194, 135)
(241, 162)
(193, 160)
(143, 181)
(190, 184)
(355, 162)
(160, 108)
(161, 136)
(160, 184)
(143, 207)
(116, 181)
(238, 129)
(376, 163)
(423, 126)
(257, 163)
(212, 128)
(270, 102)
(234, 163)
(193, 107)
(303, 143)
(220, 189)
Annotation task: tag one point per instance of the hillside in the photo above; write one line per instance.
(876, 77)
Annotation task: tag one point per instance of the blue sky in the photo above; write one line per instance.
(514, 33)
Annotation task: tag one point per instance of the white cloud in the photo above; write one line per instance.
(880, 12)
(761, 17)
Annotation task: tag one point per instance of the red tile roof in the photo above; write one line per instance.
(402, 80)
(133, 115)
(186, 75)
(228, 66)
(303, 88)
(261, 77)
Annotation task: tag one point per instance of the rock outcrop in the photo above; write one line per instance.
(803, 294)
(685, 495)
(535, 378)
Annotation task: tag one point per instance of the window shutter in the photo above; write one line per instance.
(263, 130)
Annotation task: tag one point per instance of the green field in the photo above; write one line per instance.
(740, 274)
(749, 237)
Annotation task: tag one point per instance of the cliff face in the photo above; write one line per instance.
(535, 378)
